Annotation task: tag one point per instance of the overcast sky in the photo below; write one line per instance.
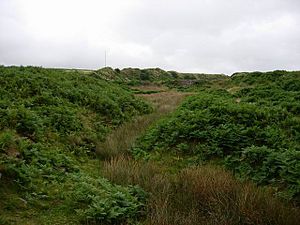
(212, 36)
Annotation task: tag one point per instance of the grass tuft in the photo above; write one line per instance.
(199, 195)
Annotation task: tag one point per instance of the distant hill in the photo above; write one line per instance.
(135, 76)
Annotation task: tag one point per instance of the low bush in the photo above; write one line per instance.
(97, 200)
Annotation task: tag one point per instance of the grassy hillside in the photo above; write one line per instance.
(278, 88)
(113, 147)
(254, 131)
(51, 122)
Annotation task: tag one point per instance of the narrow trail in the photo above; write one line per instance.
(120, 140)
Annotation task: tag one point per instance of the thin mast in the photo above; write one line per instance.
(105, 58)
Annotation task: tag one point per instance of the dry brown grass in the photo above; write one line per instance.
(121, 139)
(218, 198)
(150, 87)
(165, 102)
(200, 195)
(124, 171)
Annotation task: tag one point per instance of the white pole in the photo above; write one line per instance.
(105, 58)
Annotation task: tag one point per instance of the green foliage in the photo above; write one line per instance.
(37, 101)
(278, 88)
(269, 166)
(34, 88)
(51, 121)
(257, 136)
(255, 78)
(28, 163)
(144, 75)
(97, 200)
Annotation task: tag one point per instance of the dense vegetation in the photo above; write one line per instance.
(278, 88)
(81, 147)
(254, 131)
(51, 120)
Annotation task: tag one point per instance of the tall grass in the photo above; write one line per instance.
(200, 195)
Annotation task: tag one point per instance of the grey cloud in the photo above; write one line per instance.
(201, 36)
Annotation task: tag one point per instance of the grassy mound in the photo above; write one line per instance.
(172, 79)
(51, 122)
(255, 132)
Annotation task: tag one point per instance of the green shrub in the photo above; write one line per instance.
(213, 125)
(97, 200)
(269, 166)
(144, 75)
